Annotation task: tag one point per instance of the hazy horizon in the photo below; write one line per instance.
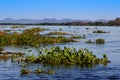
(60, 9)
(55, 18)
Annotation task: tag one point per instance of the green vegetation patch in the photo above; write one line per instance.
(100, 31)
(30, 37)
(67, 56)
(100, 41)
(97, 41)
(25, 71)
(38, 71)
(78, 37)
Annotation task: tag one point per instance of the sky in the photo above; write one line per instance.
(60, 9)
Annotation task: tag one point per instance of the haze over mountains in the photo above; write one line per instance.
(46, 20)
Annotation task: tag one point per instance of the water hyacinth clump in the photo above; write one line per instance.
(67, 56)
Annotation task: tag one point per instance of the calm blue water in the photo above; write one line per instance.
(11, 71)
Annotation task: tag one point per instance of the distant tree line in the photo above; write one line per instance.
(115, 22)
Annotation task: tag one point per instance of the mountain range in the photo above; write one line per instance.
(46, 20)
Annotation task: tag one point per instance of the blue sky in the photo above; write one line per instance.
(74, 9)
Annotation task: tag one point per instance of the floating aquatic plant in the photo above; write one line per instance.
(97, 41)
(100, 31)
(89, 41)
(30, 37)
(38, 71)
(78, 37)
(25, 71)
(66, 56)
(100, 41)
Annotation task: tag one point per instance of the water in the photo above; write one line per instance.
(11, 71)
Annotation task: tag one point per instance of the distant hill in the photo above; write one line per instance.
(102, 20)
(53, 21)
(46, 20)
